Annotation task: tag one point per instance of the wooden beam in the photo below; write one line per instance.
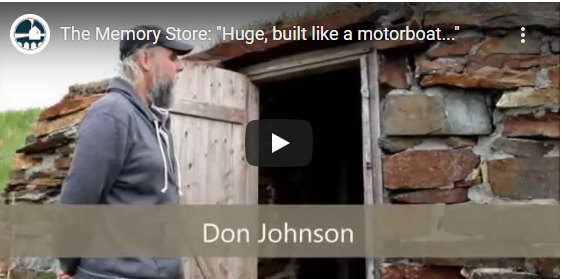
(368, 196)
(366, 129)
(375, 134)
(305, 70)
(374, 97)
(208, 111)
(319, 59)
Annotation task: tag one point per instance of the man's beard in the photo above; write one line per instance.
(161, 92)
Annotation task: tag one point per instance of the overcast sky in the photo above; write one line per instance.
(42, 79)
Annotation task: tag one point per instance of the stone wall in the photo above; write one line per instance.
(41, 164)
(474, 120)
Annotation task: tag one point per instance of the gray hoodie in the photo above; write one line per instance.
(124, 155)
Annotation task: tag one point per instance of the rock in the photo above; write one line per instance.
(49, 182)
(54, 140)
(522, 147)
(466, 113)
(21, 162)
(530, 125)
(500, 273)
(414, 271)
(66, 150)
(413, 114)
(491, 15)
(17, 174)
(43, 145)
(393, 72)
(44, 127)
(63, 163)
(510, 44)
(457, 47)
(474, 178)
(94, 87)
(548, 267)
(32, 197)
(529, 97)
(525, 178)
(54, 174)
(542, 79)
(554, 76)
(4, 266)
(441, 111)
(397, 144)
(466, 183)
(487, 77)
(431, 196)
(28, 274)
(513, 61)
(440, 66)
(18, 182)
(424, 169)
(519, 263)
(460, 142)
(555, 44)
(68, 106)
(389, 44)
(37, 264)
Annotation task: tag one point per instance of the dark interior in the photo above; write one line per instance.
(331, 102)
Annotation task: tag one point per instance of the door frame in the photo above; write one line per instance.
(363, 54)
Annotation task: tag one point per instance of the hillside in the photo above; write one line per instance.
(14, 127)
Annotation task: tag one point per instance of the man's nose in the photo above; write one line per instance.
(179, 67)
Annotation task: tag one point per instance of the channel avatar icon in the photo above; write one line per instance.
(30, 34)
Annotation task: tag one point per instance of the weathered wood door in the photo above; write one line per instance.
(210, 111)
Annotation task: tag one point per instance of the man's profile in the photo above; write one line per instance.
(124, 152)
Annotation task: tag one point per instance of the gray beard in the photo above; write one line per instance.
(161, 93)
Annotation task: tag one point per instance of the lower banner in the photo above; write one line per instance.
(280, 231)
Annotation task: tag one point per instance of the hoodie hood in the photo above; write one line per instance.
(159, 118)
(122, 86)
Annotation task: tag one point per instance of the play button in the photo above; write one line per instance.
(278, 143)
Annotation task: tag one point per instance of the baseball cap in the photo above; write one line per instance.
(128, 46)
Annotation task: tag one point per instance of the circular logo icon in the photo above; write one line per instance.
(30, 34)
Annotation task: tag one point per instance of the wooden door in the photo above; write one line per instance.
(210, 111)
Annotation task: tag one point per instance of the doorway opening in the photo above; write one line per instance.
(331, 102)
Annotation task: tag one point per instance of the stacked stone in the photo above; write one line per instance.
(474, 120)
(40, 166)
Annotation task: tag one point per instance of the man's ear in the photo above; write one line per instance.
(145, 62)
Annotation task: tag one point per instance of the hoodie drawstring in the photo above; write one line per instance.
(166, 163)
(179, 175)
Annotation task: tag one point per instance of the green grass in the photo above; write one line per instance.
(15, 126)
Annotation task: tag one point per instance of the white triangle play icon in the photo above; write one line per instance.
(277, 142)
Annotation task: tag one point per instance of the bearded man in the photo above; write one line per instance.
(124, 152)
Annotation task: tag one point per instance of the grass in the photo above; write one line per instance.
(287, 18)
(15, 126)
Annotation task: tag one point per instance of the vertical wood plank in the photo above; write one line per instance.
(376, 154)
(252, 176)
(368, 192)
(211, 152)
(378, 190)
(252, 179)
(366, 129)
